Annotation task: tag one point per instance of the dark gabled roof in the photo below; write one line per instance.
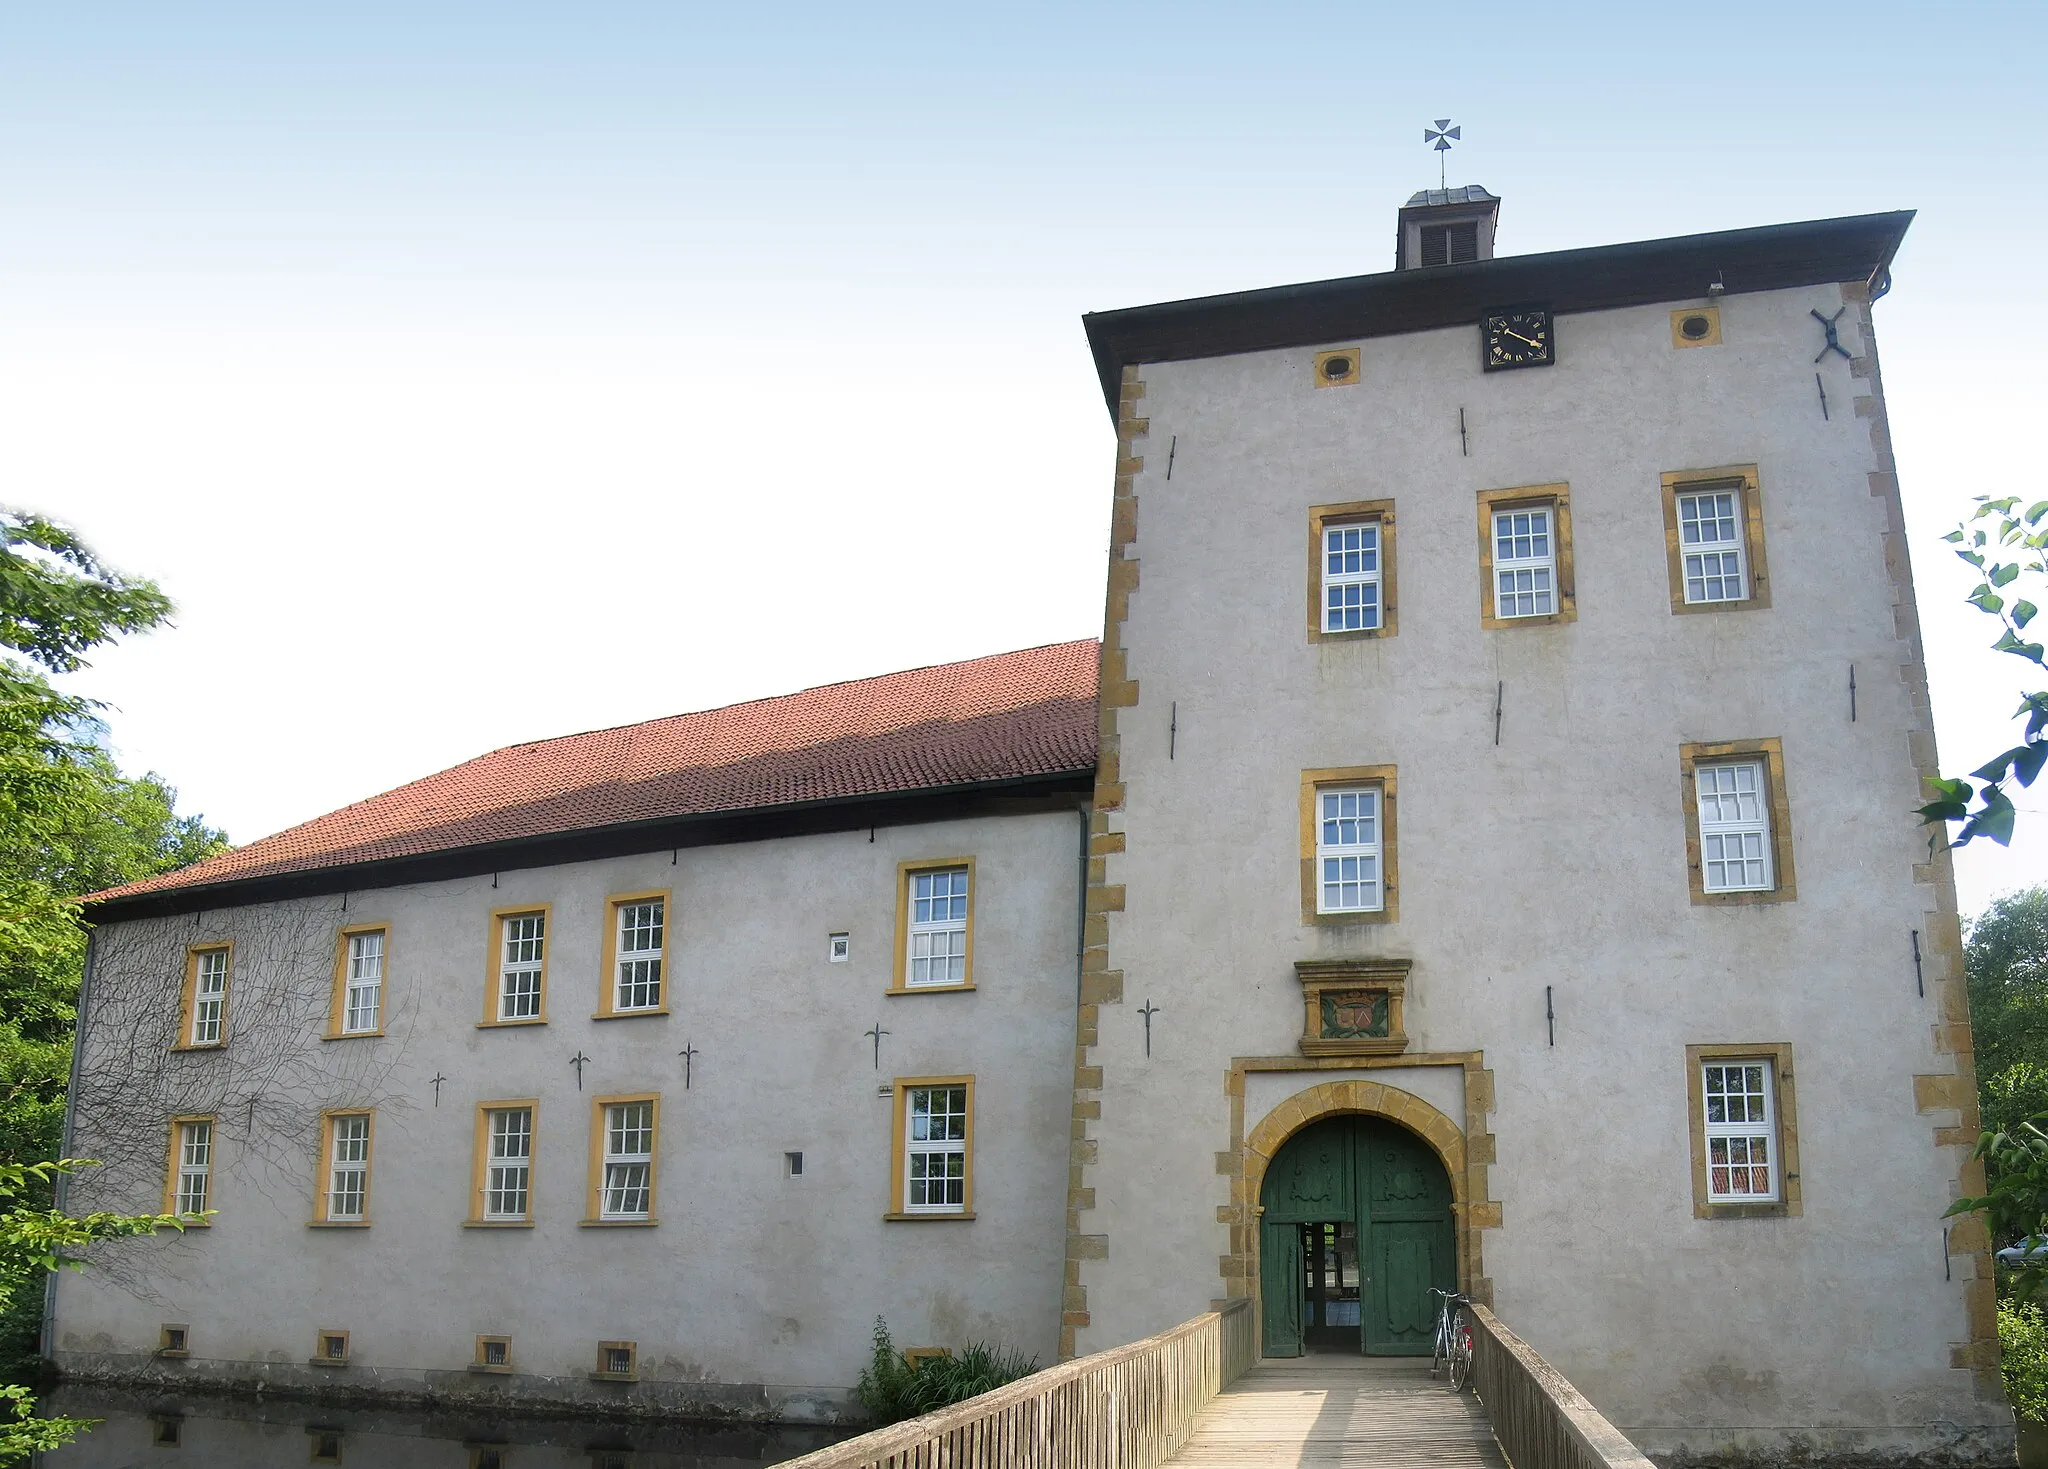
(1018, 722)
(1772, 258)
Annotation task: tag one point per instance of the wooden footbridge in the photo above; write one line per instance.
(1196, 1398)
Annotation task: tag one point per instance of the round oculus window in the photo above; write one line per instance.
(1692, 328)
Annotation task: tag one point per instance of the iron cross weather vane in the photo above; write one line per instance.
(1443, 135)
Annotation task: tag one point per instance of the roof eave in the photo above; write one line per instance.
(1853, 248)
(1055, 789)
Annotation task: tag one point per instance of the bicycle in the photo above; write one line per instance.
(1453, 1347)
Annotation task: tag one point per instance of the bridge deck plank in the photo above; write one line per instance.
(1341, 1412)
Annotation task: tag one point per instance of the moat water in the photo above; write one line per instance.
(168, 1431)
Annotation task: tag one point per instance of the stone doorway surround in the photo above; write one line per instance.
(1466, 1152)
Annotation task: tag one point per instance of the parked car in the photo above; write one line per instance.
(2023, 1254)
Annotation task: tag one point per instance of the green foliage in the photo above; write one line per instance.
(33, 1242)
(2006, 961)
(70, 824)
(2023, 1347)
(893, 1389)
(2021, 535)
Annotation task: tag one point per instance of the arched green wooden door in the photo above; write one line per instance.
(1356, 1229)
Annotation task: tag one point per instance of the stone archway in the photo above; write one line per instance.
(1368, 1098)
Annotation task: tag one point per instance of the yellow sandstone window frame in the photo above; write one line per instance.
(1770, 753)
(480, 1161)
(1743, 479)
(608, 972)
(1351, 512)
(899, 1149)
(174, 1163)
(1778, 1056)
(494, 964)
(323, 1175)
(906, 873)
(189, 996)
(482, 1363)
(1558, 498)
(1312, 782)
(593, 1201)
(338, 999)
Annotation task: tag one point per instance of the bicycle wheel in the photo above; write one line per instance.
(1461, 1355)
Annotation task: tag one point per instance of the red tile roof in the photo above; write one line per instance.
(998, 718)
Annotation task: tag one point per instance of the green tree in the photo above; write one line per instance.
(70, 823)
(2005, 958)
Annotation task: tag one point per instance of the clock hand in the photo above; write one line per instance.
(1519, 337)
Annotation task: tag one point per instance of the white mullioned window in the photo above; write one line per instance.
(1349, 850)
(363, 996)
(935, 1150)
(628, 1184)
(524, 946)
(508, 1163)
(1710, 542)
(938, 927)
(1351, 577)
(1524, 562)
(195, 1167)
(1741, 1123)
(642, 932)
(1735, 826)
(348, 1166)
(209, 996)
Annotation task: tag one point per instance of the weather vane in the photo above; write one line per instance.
(1443, 135)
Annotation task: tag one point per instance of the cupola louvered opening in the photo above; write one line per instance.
(1450, 244)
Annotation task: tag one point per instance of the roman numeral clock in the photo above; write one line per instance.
(1517, 336)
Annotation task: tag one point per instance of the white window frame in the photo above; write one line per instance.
(936, 948)
(1341, 581)
(1542, 590)
(209, 997)
(529, 967)
(619, 1184)
(639, 968)
(1741, 1137)
(506, 1171)
(1747, 835)
(348, 1167)
(920, 1151)
(1331, 856)
(193, 1193)
(362, 994)
(1693, 552)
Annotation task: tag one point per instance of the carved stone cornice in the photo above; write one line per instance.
(1352, 1007)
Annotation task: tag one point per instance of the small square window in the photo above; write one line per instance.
(167, 1430)
(793, 1164)
(616, 1361)
(487, 1456)
(172, 1340)
(839, 947)
(493, 1354)
(326, 1445)
(330, 1349)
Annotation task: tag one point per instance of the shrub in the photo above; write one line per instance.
(892, 1389)
(2023, 1341)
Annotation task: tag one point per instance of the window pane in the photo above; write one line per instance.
(1348, 850)
(937, 939)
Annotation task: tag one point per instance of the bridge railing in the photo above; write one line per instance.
(1541, 1420)
(1128, 1408)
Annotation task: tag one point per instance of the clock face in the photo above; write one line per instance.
(1518, 338)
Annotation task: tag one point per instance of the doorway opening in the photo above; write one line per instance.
(1356, 1228)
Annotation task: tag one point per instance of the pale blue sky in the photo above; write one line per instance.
(474, 373)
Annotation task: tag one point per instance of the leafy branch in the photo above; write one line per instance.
(2021, 536)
